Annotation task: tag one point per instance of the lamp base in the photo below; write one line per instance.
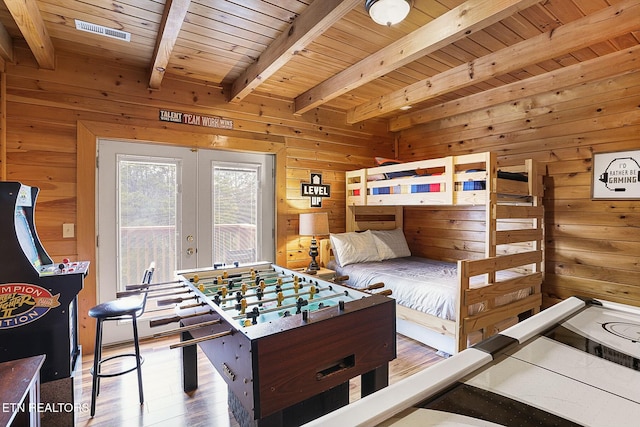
(313, 253)
(313, 266)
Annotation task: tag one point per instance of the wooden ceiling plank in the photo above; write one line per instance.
(465, 19)
(6, 45)
(583, 72)
(607, 23)
(175, 11)
(314, 21)
(29, 20)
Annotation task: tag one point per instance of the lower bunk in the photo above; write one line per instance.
(446, 305)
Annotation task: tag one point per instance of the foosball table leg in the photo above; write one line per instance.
(189, 365)
(374, 380)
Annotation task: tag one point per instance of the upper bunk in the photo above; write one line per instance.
(470, 179)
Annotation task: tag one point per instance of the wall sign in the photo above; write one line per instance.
(195, 119)
(616, 175)
(22, 303)
(316, 190)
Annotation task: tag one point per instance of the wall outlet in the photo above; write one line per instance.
(68, 231)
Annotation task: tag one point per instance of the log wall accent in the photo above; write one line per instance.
(54, 118)
(592, 246)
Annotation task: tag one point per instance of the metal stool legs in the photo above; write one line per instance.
(138, 358)
(97, 362)
(95, 372)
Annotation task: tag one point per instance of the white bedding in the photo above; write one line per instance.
(422, 284)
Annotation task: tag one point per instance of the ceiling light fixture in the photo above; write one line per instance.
(387, 12)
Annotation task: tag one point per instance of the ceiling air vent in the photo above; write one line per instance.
(103, 31)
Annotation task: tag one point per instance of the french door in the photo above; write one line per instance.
(180, 208)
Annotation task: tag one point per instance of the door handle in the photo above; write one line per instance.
(190, 251)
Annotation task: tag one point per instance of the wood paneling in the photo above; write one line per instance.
(55, 118)
(592, 246)
(557, 108)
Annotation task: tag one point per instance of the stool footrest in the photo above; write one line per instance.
(100, 362)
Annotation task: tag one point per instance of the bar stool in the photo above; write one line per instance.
(129, 307)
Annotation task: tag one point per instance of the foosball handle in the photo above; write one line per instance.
(164, 321)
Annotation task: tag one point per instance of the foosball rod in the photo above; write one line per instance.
(368, 288)
(171, 319)
(198, 340)
(132, 292)
(284, 307)
(187, 328)
(174, 300)
(206, 284)
(267, 300)
(142, 285)
(239, 285)
(243, 275)
(271, 291)
(179, 307)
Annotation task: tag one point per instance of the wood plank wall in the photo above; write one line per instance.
(592, 247)
(52, 114)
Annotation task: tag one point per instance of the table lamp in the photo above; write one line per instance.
(314, 224)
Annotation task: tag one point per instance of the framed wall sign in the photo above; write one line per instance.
(315, 190)
(616, 175)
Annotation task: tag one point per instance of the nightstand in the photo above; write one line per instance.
(323, 273)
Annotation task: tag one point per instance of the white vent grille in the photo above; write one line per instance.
(103, 31)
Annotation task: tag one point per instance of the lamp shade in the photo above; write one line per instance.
(314, 224)
(387, 12)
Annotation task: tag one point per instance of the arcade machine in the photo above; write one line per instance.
(38, 303)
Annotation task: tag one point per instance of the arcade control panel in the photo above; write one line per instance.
(63, 268)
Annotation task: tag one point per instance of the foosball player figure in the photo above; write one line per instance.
(280, 298)
(242, 306)
(253, 315)
(301, 302)
(260, 294)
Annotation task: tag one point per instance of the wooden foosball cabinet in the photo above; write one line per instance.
(286, 343)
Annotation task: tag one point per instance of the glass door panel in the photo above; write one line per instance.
(181, 208)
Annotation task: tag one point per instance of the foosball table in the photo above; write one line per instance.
(286, 343)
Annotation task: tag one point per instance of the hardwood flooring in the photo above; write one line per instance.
(167, 405)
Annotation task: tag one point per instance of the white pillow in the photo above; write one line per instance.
(391, 243)
(352, 247)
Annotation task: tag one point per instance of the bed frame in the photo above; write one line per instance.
(514, 223)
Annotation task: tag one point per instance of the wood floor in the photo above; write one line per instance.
(167, 405)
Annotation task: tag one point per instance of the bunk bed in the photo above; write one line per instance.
(492, 289)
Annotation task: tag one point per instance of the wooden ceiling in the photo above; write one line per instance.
(329, 52)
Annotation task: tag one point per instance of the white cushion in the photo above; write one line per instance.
(391, 243)
(352, 247)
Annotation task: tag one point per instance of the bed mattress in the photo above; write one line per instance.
(421, 284)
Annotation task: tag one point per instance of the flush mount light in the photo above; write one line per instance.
(387, 12)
